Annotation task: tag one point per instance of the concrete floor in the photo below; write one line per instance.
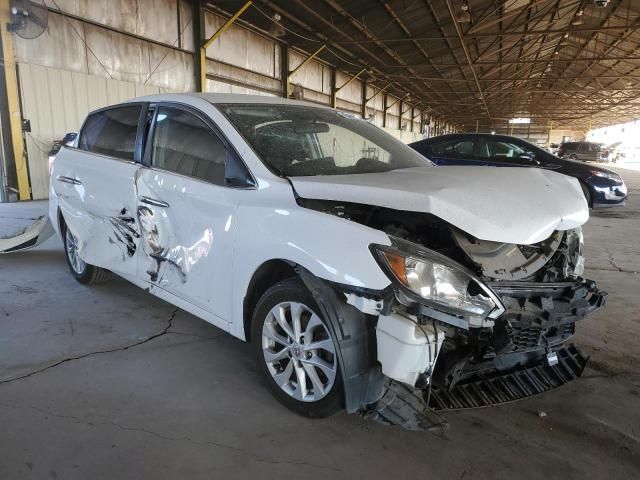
(109, 382)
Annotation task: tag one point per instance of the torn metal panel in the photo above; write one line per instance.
(97, 198)
(405, 406)
(187, 230)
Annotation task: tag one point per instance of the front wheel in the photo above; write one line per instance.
(587, 193)
(82, 271)
(296, 351)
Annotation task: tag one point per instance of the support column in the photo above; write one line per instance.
(199, 60)
(284, 70)
(332, 87)
(363, 99)
(13, 142)
(384, 110)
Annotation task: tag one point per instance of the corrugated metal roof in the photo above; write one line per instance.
(561, 61)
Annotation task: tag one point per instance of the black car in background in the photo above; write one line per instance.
(601, 187)
(584, 151)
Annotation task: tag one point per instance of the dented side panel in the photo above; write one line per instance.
(97, 197)
(186, 247)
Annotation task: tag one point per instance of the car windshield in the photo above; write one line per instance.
(298, 141)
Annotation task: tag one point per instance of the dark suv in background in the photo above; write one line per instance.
(584, 151)
(601, 187)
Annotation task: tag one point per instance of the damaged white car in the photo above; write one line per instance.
(365, 277)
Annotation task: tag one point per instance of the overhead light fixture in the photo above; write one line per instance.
(463, 15)
(578, 20)
(520, 120)
(276, 29)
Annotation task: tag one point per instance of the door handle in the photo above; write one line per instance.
(154, 202)
(72, 181)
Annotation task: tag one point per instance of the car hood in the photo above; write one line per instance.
(510, 205)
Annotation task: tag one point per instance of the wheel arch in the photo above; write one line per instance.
(266, 275)
(588, 191)
(61, 222)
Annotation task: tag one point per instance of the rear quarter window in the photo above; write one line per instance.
(112, 132)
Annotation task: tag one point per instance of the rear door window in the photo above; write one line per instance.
(112, 132)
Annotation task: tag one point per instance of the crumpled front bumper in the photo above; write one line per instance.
(527, 352)
(503, 387)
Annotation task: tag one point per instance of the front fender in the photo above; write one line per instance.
(331, 248)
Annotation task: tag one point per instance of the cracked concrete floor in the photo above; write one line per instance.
(109, 382)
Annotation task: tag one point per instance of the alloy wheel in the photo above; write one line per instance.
(299, 351)
(71, 243)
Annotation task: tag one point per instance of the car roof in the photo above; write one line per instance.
(454, 136)
(221, 98)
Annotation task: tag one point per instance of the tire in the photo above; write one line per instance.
(322, 392)
(587, 193)
(83, 272)
(573, 156)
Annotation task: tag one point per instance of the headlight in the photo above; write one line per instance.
(610, 176)
(439, 281)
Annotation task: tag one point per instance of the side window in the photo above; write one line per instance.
(184, 144)
(503, 150)
(112, 132)
(453, 149)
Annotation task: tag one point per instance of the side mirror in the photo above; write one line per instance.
(529, 158)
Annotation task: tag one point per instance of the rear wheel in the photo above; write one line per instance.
(82, 271)
(296, 351)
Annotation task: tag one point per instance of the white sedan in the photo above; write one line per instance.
(365, 277)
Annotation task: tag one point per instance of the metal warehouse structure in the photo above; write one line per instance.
(414, 67)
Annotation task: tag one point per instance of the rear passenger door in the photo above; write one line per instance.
(95, 187)
(187, 203)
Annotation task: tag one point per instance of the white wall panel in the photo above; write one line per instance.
(222, 87)
(59, 46)
(235, 74)
(242, 47)
(56, 101)
(155, 19)
(351, 92)
(314, 75)
(107, 54)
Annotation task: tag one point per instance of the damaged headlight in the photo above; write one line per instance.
(439, 281)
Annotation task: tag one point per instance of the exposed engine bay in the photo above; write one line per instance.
(523, 350)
